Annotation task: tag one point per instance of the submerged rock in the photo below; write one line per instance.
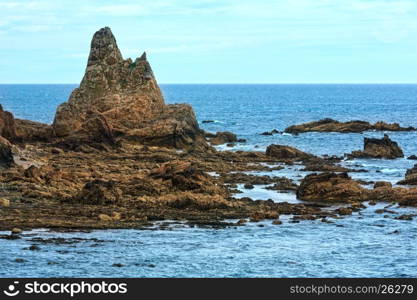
(119, 99)
(379, 148)
(330, 125)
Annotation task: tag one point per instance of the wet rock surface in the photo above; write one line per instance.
(379, 148)
(330, 187)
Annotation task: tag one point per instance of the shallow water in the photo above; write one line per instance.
(363, 244)
(366, 245)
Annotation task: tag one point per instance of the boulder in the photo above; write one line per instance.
(330, 187)
(287, 153)
(379, 148)
(120, 98)
(223, 138)
(384, 184)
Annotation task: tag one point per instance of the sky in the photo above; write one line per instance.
(223, 41)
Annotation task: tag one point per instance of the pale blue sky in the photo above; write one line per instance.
(204, 41)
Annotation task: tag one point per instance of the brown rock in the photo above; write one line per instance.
(105, 218)
(4, 202)
(119, 99)
(7, 125)
(223, 138)
(379, 148)
(287, 153)
(330, 187)
(99, 192)
(185, 176)
(330, 125)
(29, 131)
(16, 230)
(343, 211)
(248, 186)
(384, 184)
(410, 177)
(6, 154)
(16, 130)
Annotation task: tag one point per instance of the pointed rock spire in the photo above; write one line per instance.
(104, 48)
(143, 56)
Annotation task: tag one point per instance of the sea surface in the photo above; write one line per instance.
(366, 244)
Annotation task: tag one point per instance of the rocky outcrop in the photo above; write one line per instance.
(18, 131)
(119, 99)
(7, 125)
(335, 188)
(330, 125)
(379, 148)
(410, 177)
(6, 154)
(185, 176)
(223, 137)
(286, 153)
(331, 187)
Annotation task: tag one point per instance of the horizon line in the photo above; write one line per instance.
(232, 83)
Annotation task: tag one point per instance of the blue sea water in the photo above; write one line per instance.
(364, 244)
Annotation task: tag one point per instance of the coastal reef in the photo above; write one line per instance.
(330, 125)
(117, 156)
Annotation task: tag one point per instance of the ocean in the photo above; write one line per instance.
(366, 244)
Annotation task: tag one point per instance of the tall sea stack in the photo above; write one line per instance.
(120, 99)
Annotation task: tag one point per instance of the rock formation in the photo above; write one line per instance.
(6, 154)
(17, 130)
(410, 177)
(120, 99)
(223, 137)
(287, 153)
(379, 148)
(7, 125)
(330, 125)
(330, 187)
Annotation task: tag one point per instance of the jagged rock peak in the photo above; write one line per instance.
(143, 56)
(104, 48)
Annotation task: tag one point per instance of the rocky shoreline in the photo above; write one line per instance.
(116, 156)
